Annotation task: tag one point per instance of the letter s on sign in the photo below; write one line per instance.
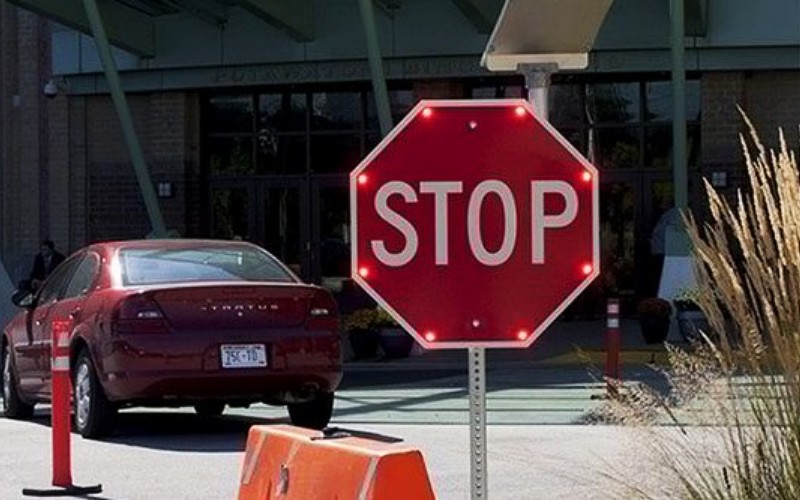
(398, 221)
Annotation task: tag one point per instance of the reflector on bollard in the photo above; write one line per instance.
(60, 418)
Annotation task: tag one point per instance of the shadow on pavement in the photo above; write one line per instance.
(182, 432)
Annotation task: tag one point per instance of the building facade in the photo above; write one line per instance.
(251, 125)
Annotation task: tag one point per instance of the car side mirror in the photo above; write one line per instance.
(23, 299)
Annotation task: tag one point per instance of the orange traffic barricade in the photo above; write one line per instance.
(285, 462)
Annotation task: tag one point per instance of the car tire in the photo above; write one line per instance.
(94, 413)
(13, 405)
(209, 408)
(314, 414)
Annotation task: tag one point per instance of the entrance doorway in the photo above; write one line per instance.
(631, 204)
(303, 221)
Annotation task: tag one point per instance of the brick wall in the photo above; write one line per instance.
(771, 99)
(26, 160)
(721, 125)
(115, 206)
(772, 103)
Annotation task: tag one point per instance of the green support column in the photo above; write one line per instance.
(376, 66)
(679, 105)
(126, 121)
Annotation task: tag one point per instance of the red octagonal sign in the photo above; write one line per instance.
(474, 224)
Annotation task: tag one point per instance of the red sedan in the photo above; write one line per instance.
(176, 323)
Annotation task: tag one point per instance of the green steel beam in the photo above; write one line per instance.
(388, 7)
(125, 119)
(295, 17)
(679, 105)
(481, 13)
(127, 28)
(376, 66)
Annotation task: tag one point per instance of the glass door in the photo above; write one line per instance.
(330, 264)
(620, 212)
(233, 208)
(283, 222)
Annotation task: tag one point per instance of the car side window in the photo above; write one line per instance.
(84, 277)
(54, 286)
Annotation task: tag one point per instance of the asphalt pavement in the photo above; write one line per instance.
(539, 447)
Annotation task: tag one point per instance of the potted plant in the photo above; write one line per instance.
(361, 333)
(395, 342)
(691, 319)
(654, 317)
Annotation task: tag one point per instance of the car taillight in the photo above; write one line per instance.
(322, 312)
(139, 314)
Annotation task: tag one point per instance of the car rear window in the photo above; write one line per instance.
(186, 265)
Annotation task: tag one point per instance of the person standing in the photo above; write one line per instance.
(45, 262)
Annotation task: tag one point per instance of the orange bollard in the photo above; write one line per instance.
(613, 347)
(291, 463)
(60, 418)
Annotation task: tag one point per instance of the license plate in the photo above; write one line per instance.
(243, 355)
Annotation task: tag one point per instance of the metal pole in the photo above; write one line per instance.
(479, 467)
(376, 66)
(537, 80)
(124, 114)
(681, 185)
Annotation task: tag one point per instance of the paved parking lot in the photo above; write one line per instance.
(537, 448)
(177, 455)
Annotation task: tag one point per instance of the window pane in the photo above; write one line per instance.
(513, 91)
(613, 102)
(282, 225)
(658, 147)
(281, 154)
(230, 155)
(566, 105)
(372, 141)
(84, 277)
(55, 283)
(659, 101)
(485, 92)
(575, 137)
(230, 214)
(335, 153)
(227, 114)
(282, 112)
(400, 101)
(182, 265)
(335, 232)
(336, 111)
(617, 147)
(693, 100)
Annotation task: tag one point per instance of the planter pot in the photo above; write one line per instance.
(691, 323)
(395, 342)
(364, 343)
(654, 330)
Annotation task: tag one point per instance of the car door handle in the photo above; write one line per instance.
(74, 313)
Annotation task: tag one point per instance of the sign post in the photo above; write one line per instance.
(479, 468)
(474, 225)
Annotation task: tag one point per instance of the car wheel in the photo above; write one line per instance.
(13, 406)
(314, 414)
(209, 408)
(94, 414)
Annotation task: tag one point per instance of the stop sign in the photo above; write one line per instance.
(474, 223)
